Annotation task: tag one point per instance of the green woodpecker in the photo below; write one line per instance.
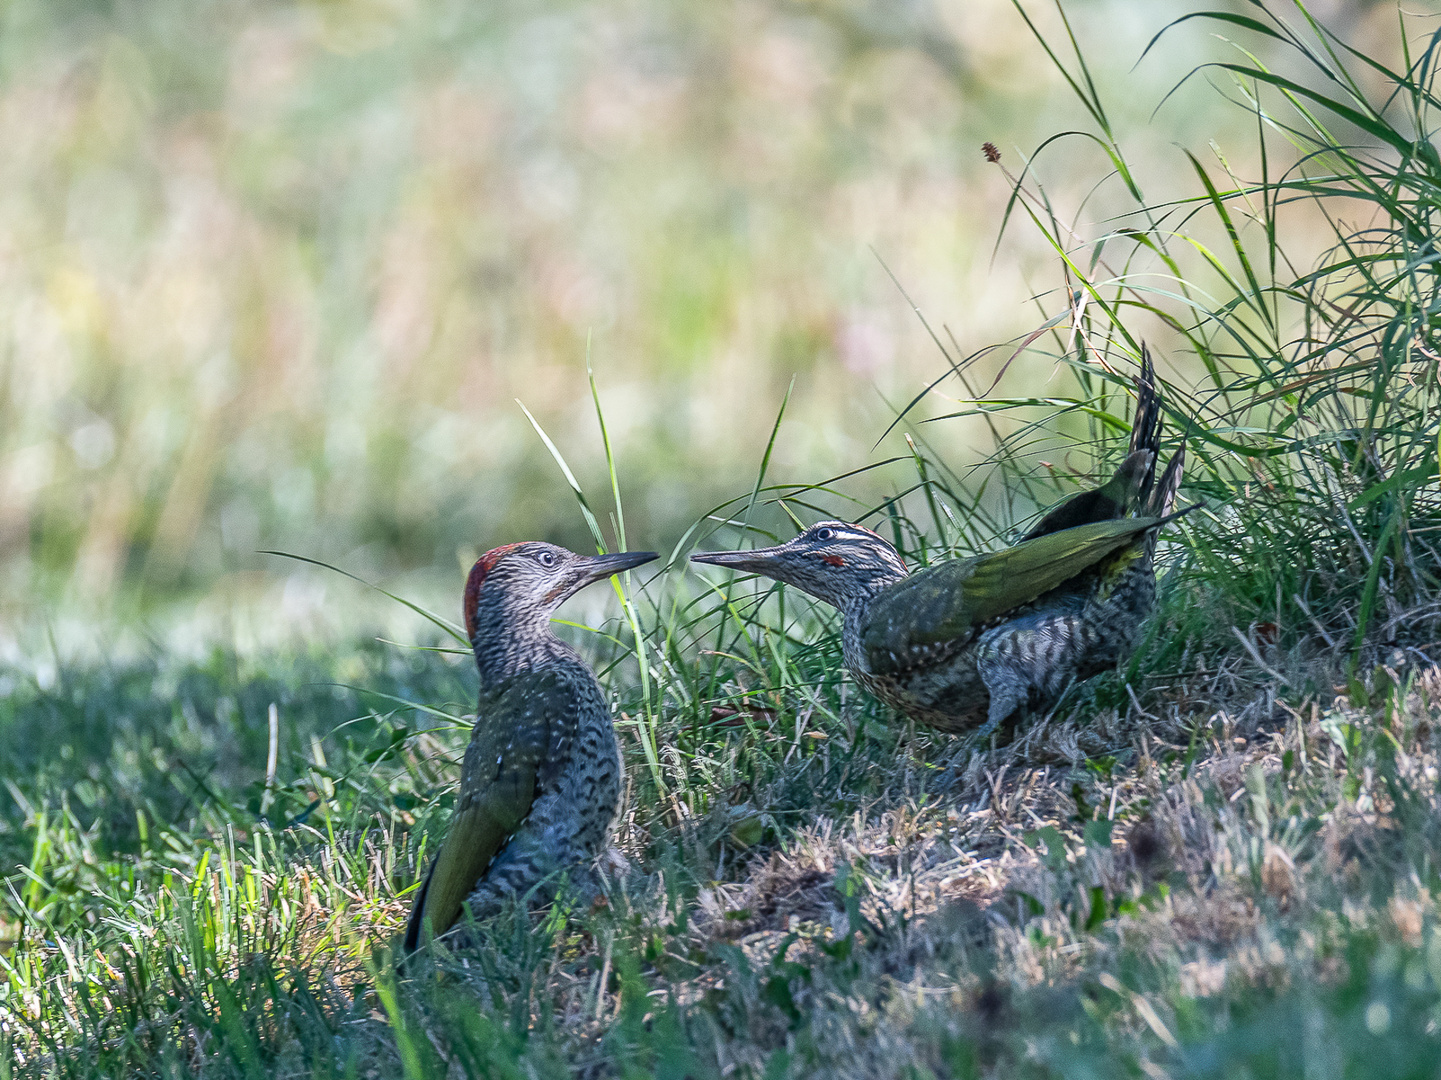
(542, 774)
(968, 643)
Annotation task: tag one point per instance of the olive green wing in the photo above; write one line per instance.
(504, 763)
(946, 605)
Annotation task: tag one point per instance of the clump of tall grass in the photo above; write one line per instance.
(1299, 295)
(1313, 430)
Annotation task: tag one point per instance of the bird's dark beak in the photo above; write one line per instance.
(599, 567)
(757, 561)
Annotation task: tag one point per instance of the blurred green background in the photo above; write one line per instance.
(273, 274)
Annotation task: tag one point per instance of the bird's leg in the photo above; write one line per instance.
(519, 871)
(1006, 697)
(562, 886)
(1001, 662)
(1032, 653)
(574, 886)
(496, 890)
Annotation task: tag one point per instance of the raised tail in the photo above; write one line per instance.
(413, 927)
(1146, 426)
(1163, 495)
(1130, 487)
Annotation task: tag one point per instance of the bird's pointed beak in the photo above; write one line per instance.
(756, 561)
(599, 567)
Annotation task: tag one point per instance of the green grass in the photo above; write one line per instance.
(1308, 296)
(1219, 862)
(1123, 888)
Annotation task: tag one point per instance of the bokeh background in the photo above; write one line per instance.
(275, 274)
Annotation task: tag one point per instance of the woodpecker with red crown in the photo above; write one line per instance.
(968, 643)
(541, 780)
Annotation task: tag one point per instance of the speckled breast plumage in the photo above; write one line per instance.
(577, 796)
(590, 782)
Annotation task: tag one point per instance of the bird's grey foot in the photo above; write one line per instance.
(481, 905)
(521, 871)
(1007, 695)
(989, 728)
(579, 888)
(484, 904)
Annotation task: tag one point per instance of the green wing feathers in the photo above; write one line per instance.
(498, 784)
(951, 601)
(1017, 575)
(476, 835)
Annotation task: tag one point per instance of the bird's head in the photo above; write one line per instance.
(832, 560)
(513, 590)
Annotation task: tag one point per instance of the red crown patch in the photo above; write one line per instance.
(478, 573)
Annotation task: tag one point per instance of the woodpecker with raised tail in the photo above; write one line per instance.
(967, 644)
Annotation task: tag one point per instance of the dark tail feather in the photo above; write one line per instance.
(1146, 424)
(417, 913)
(1105, 503)
(1130, 488)
(1164, 495)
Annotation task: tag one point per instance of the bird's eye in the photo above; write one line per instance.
(826, 534)
(545, 558)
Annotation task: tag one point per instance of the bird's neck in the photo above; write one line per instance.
(506, 645)
(856, 616)
(855, 601)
